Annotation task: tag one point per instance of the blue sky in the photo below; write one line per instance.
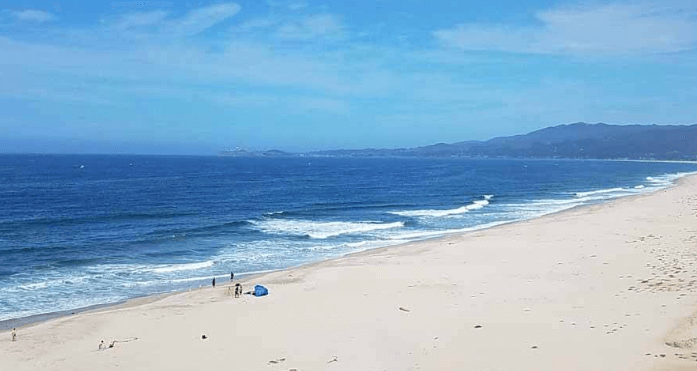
(197, 77)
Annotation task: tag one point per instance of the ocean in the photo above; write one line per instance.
(77, 231)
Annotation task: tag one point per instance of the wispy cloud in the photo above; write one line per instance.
(164, 24)
(257, 24)
(325, 26)
(292, 4)
(621, 28)
(145, 19)
(199, 20)
(297, 5)
(277, 64)
(30, 15)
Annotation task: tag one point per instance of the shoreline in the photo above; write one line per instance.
(607, 286)
(37, 319)
(244, 278)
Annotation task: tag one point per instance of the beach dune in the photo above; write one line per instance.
(602, 287)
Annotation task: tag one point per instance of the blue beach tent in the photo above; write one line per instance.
(260, 290)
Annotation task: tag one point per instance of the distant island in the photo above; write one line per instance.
(572, 141)
(242, 152)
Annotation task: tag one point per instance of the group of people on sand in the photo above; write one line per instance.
(238, 292)
(238, 287)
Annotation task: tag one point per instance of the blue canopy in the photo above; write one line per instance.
(260, 290)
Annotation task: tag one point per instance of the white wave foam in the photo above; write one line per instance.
(57, 282)
(355, 245)
(442, 213)
(600, 191)
(192, 279)
(360, 245)
(421, 235)
(542, 207)
(33, 286)
(667, 179)
(433, 213)
(141, 283)
(660, 181)
(554, 202)
(551, 205)
(210, 277)
(325, 247)
(182, 267)
(375, 244)
(178, 280)
(53, 304)
(537, 208)
(321, 230)
(664, 180)
(406, 237)
(478, 204)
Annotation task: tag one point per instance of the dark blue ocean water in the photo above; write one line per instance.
(83, 230)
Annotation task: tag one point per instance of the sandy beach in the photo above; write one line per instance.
(602, 287)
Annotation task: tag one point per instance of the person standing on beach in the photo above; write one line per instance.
(14, 334)
(232, 276)
(213, 281)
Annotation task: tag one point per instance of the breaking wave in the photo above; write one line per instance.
(441, 213)
(183, 267)
(600, 191)
(320, 230)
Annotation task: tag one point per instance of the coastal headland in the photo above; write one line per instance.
(609, 286)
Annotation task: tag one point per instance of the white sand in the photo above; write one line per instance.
(595, 288)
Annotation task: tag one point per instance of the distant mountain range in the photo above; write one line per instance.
(579, 140)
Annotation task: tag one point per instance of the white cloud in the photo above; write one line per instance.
(159, 62)
(30, 15)
(258, 23)
(292, 5)
(199, 20)
(621, 28)
(316, 26)
(158, 21)
(297, 5)
(145, 19)
(265, 72)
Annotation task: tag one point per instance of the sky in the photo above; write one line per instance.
(197, 77)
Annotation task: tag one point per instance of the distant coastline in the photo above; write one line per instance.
(579, 141)
(266, 154)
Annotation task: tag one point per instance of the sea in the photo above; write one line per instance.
(84, 230)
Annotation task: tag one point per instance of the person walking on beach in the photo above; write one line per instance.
(238, 290)
(232, 276)
(213, 281)
(14, 334)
